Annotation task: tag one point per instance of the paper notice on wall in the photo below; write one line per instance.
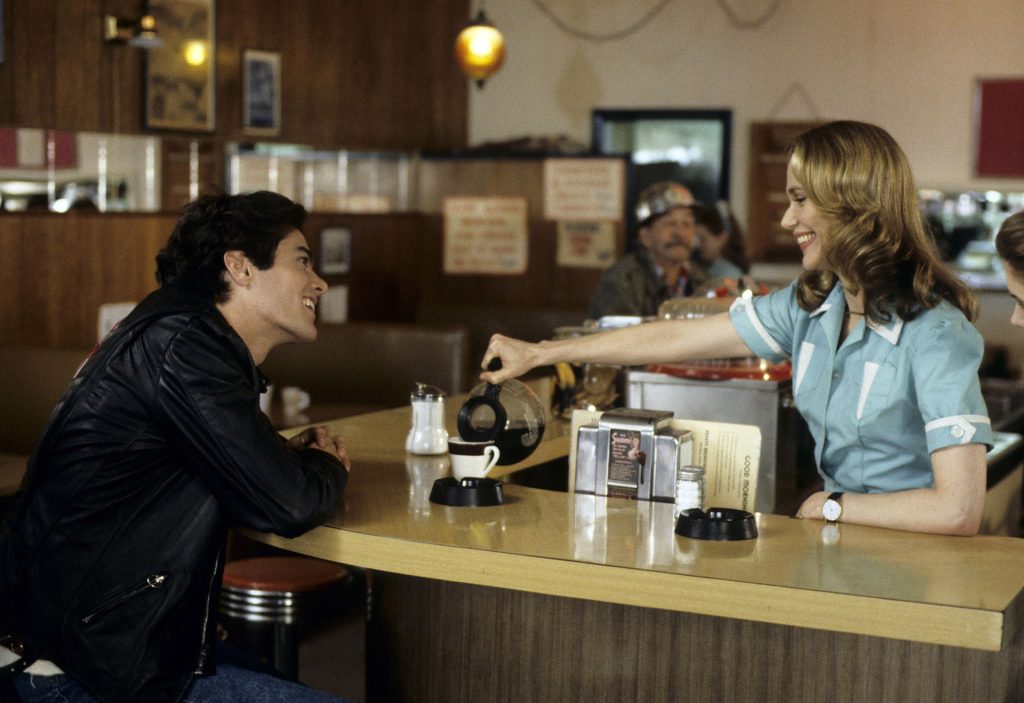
(729, 453)
(584, 189)
(485, 235)
(586, 245)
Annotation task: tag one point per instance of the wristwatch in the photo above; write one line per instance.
(832, 508)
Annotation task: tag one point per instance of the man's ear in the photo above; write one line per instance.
(643, 235)
(238, 268)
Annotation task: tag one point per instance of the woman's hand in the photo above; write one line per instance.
(517, 357)
(811, 507)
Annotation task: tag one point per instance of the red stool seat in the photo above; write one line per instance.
(268, 602)
(283, 574)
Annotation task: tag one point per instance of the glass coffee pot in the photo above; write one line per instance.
(509, 414)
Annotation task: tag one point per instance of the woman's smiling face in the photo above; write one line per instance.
(808, 225)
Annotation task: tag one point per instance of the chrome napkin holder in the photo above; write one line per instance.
(631, 453)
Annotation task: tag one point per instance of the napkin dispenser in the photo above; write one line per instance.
(631, 453)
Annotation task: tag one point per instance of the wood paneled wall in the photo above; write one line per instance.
(56, 270)
(356, 74)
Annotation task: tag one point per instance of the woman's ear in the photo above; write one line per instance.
(238, 268)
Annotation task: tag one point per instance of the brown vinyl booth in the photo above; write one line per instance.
(33, 380)
(360, 367)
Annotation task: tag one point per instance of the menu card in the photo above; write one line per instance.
(729, 453)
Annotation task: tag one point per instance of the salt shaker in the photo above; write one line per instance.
(427, 435)
(689, 488)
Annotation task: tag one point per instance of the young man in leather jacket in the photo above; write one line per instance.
(111, 559)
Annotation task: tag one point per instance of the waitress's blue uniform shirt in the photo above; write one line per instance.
(882, 402)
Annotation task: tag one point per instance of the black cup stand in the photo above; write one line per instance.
(718, 524)
(467, 493)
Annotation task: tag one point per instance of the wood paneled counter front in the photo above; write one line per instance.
(597, 598)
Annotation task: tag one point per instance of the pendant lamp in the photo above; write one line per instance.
(480, 49)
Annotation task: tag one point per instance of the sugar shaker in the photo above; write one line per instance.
(428, 434)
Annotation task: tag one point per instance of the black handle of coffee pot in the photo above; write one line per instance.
(489, 398)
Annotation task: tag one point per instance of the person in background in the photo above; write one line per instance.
(659, 267)
(885, 357)
(720, 249)
(111, 558)
(1010, 246)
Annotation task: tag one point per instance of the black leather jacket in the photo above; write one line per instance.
(110, 561)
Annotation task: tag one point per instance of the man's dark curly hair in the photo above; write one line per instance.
(253, 223)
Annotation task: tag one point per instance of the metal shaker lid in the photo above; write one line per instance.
(428, 393)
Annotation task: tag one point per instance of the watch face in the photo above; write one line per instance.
(831, 510)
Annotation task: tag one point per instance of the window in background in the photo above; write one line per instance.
(692, 147)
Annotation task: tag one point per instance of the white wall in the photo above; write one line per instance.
(908, 65)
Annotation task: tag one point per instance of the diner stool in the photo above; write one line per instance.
(267, 602)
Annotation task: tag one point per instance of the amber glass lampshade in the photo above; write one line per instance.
(480, 49)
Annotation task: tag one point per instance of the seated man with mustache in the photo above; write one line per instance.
(660, 267)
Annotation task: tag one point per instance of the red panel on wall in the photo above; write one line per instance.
(8, 147)
(1000, 128)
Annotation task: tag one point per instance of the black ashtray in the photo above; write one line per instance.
(469, 492)
(718, 524)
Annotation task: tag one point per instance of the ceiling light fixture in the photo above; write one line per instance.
(480, 49)
(140, 33)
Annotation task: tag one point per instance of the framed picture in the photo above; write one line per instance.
(335, 250)
(261, 92)
(692, 147)
(180, 86)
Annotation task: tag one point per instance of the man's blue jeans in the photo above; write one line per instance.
(232, 684)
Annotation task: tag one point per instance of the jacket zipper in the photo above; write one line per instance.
(153, 582)
(203, 649)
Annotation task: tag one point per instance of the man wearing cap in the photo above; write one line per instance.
(660, 267)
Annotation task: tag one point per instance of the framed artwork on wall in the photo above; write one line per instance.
(180, 86)
(335, 250)
(261, 92)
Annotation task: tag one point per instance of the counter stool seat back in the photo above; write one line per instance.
(266, 603)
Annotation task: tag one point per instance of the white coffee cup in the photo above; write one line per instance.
(266, 398)
(472, 459)
(294, 400)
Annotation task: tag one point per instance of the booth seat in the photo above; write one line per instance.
(33, 379)
(530, 324)
(360, 367)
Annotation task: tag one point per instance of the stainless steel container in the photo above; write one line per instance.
(631, 453)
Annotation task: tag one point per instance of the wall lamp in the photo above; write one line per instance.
(140, 33)
(480, 49)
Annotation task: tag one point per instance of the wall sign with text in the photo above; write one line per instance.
(584, 189)
(485, 235)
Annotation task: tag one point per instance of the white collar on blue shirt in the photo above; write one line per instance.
(890, 333)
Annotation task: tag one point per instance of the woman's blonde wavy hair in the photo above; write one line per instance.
(856, 174)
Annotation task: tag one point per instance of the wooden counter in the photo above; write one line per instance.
(865, 597)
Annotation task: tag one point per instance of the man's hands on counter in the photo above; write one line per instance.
(320, 438)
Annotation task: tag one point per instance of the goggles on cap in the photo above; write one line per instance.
(658, 198)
